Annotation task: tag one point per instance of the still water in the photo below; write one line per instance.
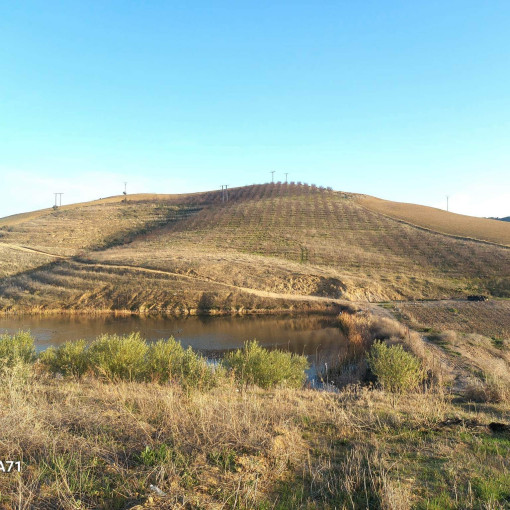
(316, 336)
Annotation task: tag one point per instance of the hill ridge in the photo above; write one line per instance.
(269, 240)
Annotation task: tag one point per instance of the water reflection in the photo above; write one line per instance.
(316, 336)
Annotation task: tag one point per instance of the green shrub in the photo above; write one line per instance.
(119, 357)
(396, 370)
(17, 348)
(167, 360)
(195, 372)
(255, 365)
(163, 360)
(70, 358)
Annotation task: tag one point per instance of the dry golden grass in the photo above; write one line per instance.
(271, 241)
(441, 221)
(490, 318)
(15, 261)
(312, 242)
(91, 444)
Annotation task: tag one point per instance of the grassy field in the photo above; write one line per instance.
(441, 221)
(491, 319)
(100, 442)
(273, 242)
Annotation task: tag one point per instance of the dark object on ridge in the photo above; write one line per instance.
(476, 297)
(499, 427)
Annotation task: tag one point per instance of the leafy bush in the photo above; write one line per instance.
(163, 360)
(119, 357)
(17, 348)
(195, 372)
(167, 360)
(396, 370)
(255, 365)
(70, 358)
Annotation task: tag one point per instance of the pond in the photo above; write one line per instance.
(316, 336)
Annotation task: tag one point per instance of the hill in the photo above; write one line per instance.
(269, 247)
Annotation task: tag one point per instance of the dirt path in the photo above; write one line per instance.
(32, 250)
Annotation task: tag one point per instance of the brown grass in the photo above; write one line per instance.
(441, 221)
(97, 445)
(491, 318)
(282, 240)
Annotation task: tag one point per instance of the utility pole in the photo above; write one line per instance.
(60, 200)
(125, 191)
(447, 198)
(272, 175)
(286, 174)
(224, 193)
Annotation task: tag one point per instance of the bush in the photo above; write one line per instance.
(167, 360)
(396, 370)
(17, 348)
(119, 357)
(163, 360)
(70, 358)
(255, 365)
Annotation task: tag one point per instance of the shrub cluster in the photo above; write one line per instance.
(130, 358)
(255, 365)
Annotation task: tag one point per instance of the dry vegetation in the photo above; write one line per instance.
(98, 441)
(269, 241)
(491, 318)
(92, 444)
(441, 221)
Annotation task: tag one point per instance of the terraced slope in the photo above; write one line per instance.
(289, 235)
(198, 252)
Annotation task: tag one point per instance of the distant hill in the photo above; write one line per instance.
(507, 218)
(269, 247)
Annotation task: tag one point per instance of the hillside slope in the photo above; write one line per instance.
(196, 253)
(484, 229)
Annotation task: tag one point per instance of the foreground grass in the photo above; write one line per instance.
(94, 444)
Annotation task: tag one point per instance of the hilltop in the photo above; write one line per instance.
(270, 247)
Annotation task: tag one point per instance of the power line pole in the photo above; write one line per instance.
(224, 193)
(447, 198)
(286, 180)
(59, 200)
(125, 191)
(272, 175)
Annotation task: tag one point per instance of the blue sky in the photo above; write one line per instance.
(408, 101)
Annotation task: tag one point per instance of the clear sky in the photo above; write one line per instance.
(405, 100)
